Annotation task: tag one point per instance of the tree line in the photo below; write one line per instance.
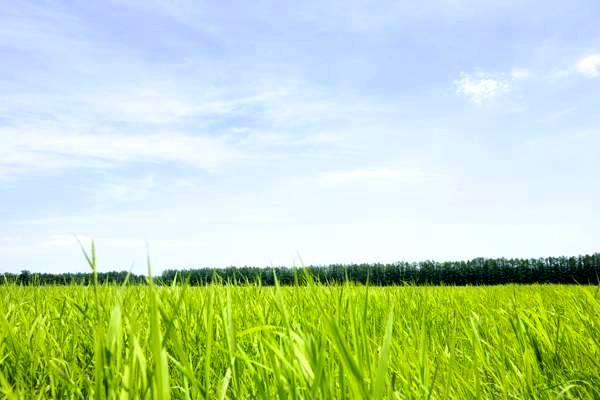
(583, 269)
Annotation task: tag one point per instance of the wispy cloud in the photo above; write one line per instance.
(135, 189)
(589, 66)
(31, 150)
(282, 139)
(375, 175)
(519, 73)
(156, 104)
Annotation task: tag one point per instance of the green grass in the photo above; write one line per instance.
(218, 341)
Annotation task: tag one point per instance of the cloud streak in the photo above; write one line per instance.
(375, 175)
(27, 150)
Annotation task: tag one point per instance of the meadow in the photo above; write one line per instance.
(312, 341)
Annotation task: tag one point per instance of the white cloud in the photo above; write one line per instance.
(589, 66)
(479, 89)
(519, 73)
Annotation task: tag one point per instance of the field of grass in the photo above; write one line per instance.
(217, 341)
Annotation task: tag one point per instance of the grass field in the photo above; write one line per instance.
(539, 341)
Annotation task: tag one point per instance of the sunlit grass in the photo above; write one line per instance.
(318, 342)
(219, 341)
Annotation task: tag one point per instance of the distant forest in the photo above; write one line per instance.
(479, 271)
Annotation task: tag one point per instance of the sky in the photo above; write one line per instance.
(217, 133)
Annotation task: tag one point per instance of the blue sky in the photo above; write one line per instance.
(249, 133)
